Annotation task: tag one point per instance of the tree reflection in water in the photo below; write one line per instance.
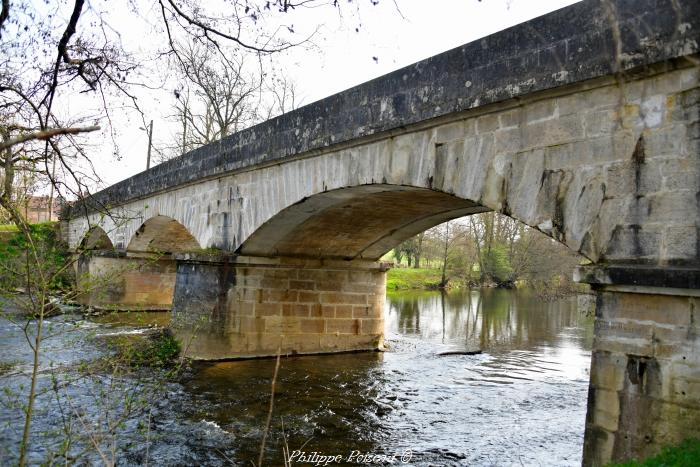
(486, 319)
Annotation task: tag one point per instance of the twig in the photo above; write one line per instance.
(272, 404)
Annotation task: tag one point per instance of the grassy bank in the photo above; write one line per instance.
(684, 454)
(409, 278)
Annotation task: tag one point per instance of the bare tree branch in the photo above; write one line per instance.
(4, 14)
(44, 135)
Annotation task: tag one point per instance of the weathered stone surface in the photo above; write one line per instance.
(567, 46)
(108, 281)
(615, 198)
(644, 376)
(217, 315)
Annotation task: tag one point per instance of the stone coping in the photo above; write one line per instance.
(279, 261)
(639, 275)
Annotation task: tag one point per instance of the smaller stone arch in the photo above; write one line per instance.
(95, 239)
(162, 234)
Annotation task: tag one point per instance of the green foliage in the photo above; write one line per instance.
(6, 367)
(681, 455)
(497, 265)
(160, 350)
(17, 271)
(409, 278)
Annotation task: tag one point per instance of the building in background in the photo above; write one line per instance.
(38, 209)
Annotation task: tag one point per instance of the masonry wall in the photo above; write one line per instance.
(610, 169)
(250, 307)
(645, 375)
(124, 283)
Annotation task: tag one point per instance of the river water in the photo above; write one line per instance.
(521, 401)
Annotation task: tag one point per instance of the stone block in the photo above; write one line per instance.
(248, 281)
(328, 286)
(343, 298)
(603, 418)
(323, 275)
(449, 132)
(295, 309)
(281, 273)
(343, 311)
(372, 326)
(302, 285)
(251, 325)
(666, 141)
(608, 370)
(680, 243)
(510, 118)
(601, 122)
(279, 295)
(343, 326)
(313, 326)
(632, 346)
(487, 123)
(240, 308)
(357, 288)
(315, 310)
(507, 141)
(308, 297)
(333, 342)
(274, 283)
(552, 132)
(282, 324)
(362, 311)
(361, 277)
(675, 207)
(540, 110)
(634, 241)
(645, 308)
(268, 309)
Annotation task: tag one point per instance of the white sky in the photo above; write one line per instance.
(343, 58)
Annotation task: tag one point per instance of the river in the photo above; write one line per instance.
(521, 401)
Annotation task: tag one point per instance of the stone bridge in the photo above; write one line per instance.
(583, 124)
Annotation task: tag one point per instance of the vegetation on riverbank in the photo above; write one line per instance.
(683, 454)
(52, 254)
(159, 349)
(6, 367)
(410, 278)
(483, 250)
(402, 278)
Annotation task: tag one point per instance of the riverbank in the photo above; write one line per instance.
(412, 278)
(403, 279)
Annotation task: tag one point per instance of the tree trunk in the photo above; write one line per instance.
(419, 251)
(443, 280)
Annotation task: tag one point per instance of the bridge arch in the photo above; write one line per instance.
(361, 222)
(95, 239)
(162, 234)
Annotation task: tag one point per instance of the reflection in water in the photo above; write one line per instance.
(521, 402)
(487, 319)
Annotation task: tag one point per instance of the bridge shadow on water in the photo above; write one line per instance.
(522, 400)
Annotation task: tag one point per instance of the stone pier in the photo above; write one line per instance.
(645, 371)
(228, 306)
(116, 281)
